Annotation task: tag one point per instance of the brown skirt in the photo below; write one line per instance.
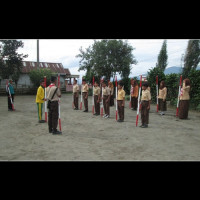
(183, 109)
(162, 105)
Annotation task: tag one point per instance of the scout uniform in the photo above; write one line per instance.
(106, 95)
(85, 89)
(53, 111)
(134, 97)
(112, 96)
(120, 100)
(162, 99)
(75, 94)
(12, 93)
(184, 102)
(146, 97)
(40, 100)
(96, 92)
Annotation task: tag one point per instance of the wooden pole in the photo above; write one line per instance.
(179, 91)
(93, 97)
(116, 112)
(157, 92)
(45, 96)
(139, 100)
(59, 119)
(101, 98)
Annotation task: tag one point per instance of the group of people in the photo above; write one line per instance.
(105, 94)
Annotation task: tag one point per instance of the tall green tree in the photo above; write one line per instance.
(162, 57)
(10, 60)
(106, 58)
(192, 56)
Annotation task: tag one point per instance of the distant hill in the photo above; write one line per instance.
(171, 70)
(175, 70)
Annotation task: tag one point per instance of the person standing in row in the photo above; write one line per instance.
(85, 89)
(40, 100)
(184, 99)
(162, 98)
(145, 105)
(134, 95)
(53, 95)
(120, 102)
(97, 98)
(111, 87)
(12, 93)
(75, 94)
(106, 99)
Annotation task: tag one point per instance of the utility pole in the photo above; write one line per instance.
(37, 54)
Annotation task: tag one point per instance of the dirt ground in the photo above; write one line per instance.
(92, 138)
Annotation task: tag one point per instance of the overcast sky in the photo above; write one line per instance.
(64, 51)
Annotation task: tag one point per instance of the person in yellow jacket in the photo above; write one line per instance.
(40, 100)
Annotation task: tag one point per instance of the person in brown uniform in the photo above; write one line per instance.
(162, 98)
(184, 99)
(53, 95)
(75, 94)
(111, 87)
(134, 95)
(145, 105)
(97, 97)
(85, 89)
(120, 102)
(106, 99)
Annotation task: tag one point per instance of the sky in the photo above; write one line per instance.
(65, 50)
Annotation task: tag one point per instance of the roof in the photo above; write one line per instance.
(54, 67)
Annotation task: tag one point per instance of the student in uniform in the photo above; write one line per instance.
(145, 105)
(97, 97)
(134, 95)
(111, 87)
(184, 99)
(53, 94)
(12, 93)
(162, 98)
(106, 99)
(120, 101)
(75, 94)
(85, 89)
(40, 100)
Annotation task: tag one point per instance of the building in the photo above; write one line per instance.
(24, 79)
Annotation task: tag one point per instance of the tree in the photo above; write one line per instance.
(11, 61)
(151, 77)
(106, 58)
(162, 57)
(38, 74)
(192, 56)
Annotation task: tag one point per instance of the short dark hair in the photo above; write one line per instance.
(83, 79)
(121, 83)
(41, 80)
(53, 78)
(145, 84)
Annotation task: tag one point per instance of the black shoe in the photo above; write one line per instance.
(141, 125)
(95, 114)
(119, 120)
(56, 132)
(42, 121)
(145, 126)
(85, 111)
